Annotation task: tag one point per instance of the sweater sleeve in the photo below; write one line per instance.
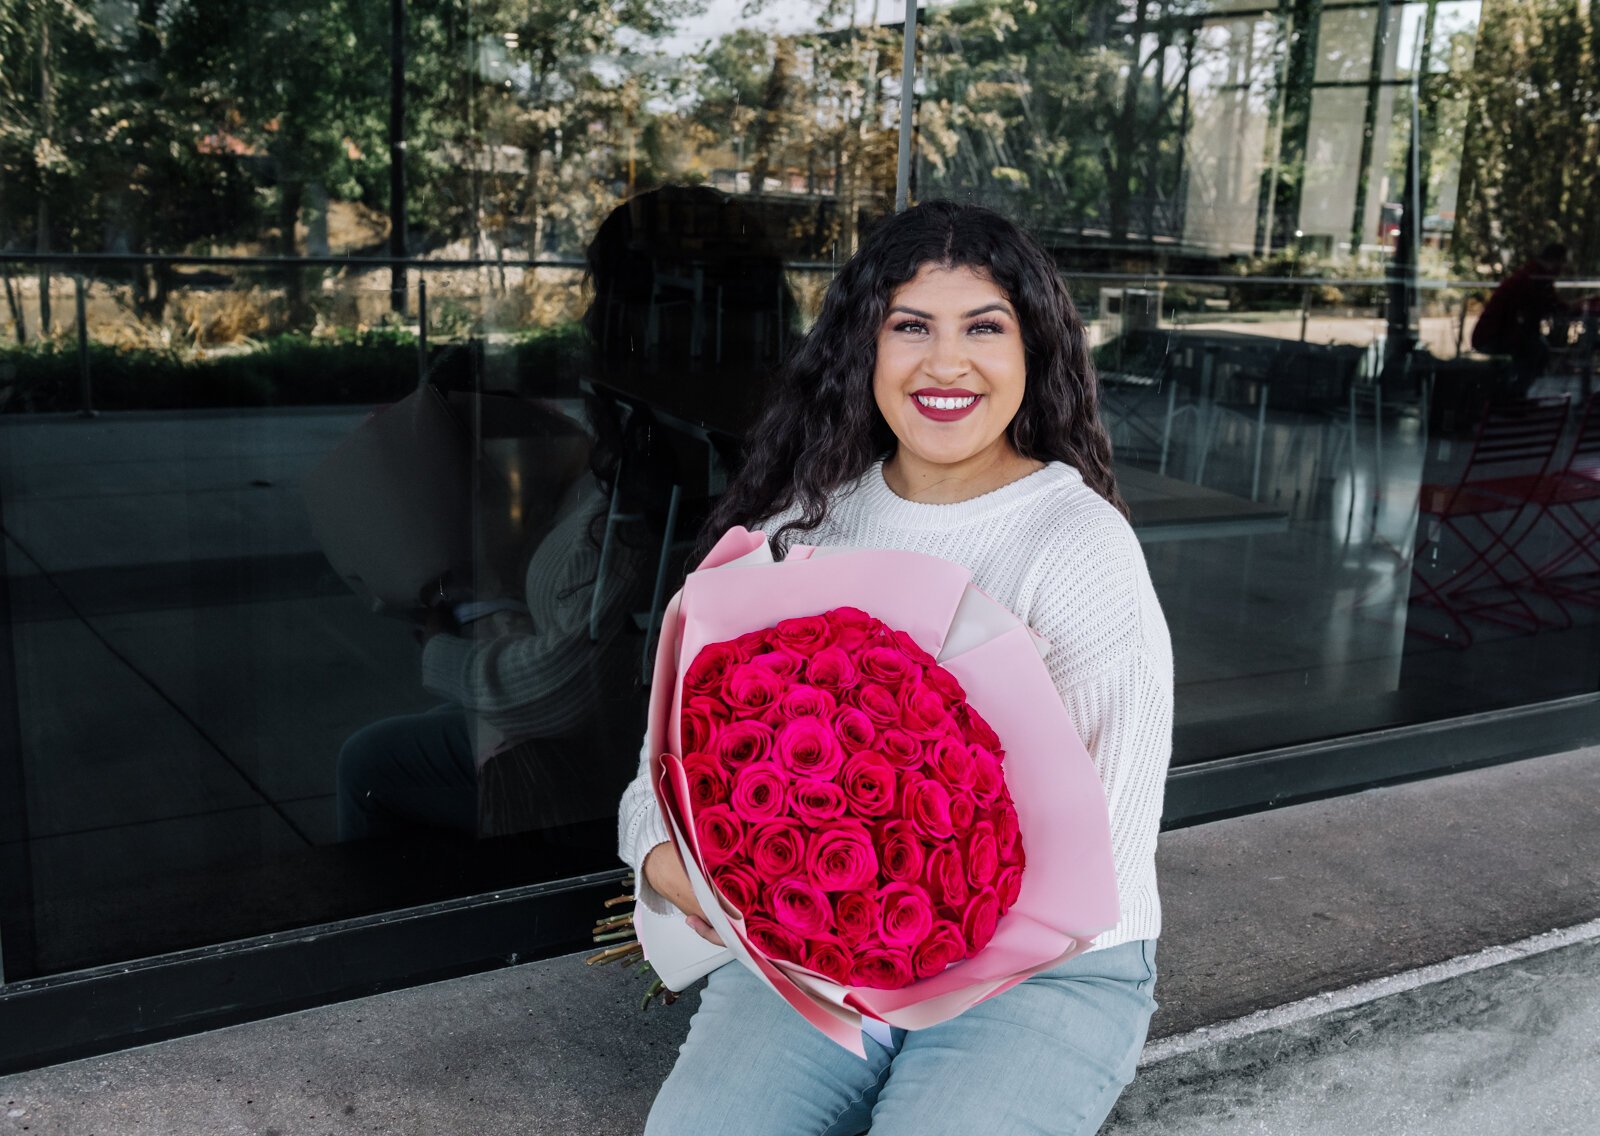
(640, 827)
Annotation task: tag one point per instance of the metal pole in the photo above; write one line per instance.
(422, 331)
(397, 153)
(85, 384)
(908, 79)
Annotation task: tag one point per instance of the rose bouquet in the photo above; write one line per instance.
(852, 825)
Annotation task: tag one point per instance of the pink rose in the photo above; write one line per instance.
(805, 635)
(753, 643)
(1008, 887)
(952, 763)
(828, 957)
(902, 750)
(979, 920)
(707, 783)
(815, 803)
(759, 793)
(909, 648)
(855, 915)
(945, 684)
(882, 968)
(900, 851)
(751, 688)
(800, 907)
(944, 945)
(781, 662)
(807, 747)
(774, 941)
(832, 669)
(741, 743)
(850, 627)
(983, 855)
(720, 834)
(884, 665)
(946, 876)
(853, 728)
(699, 722)
(905, 915)
(868, 781)
(776, 849)
(710, 668)
(922, 711)
(802, 701)
(986, 775)
(926, 804)
(1007, 832)
(877, 704)
(963, 808)
(738, 885)
(977, 730)
(840, 857)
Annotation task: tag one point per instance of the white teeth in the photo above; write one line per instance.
(947, 403)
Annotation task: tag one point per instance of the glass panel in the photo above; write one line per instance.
(259, 466)
(1285, 337)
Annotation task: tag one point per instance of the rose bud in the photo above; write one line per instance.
(853, 728)
(808, 747)
(979, 920)
(719, 832)
(882, 968)
(805, 635)
(877, 704)
(741, 743)
(708, 785)
(922, 711)
(902, 750)
(802, 701)
(1007, 833)
(952, 763)
(944, 945)
(815, 803)
(760, 793)
(855, 916)
(751, 688)
(983, 855)
(900, 851)
(832, 669)
(841, 857)
(885, 666)
(905, 915)
(800, 907)
(946, 876)
(1008, 886)
(926, 804)
(777, 848)
(868, 781)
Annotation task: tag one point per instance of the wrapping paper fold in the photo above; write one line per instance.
(1069, 892)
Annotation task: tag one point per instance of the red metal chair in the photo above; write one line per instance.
(1561, 497)
(1484, 512)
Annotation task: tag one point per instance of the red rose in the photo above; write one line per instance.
(774, 941)
(963, 808)
(986, 776)
(840, 857)
(946, 876)
(738, 885)
(807, 747)
(707, 783)
(1009, 886)
(719, 832)
(979, 919)
(977, 730)
(902, 750)
(760, 793)
(776, 848)
(800, 907)
(699, 723)
(868, 781)
(905, 915)
(909, 648)
(750, 688)
(877, 704)
(850, 627)
(710, 667)
(944, 683)
(885, 665)
(882, 968)
(832, 669)
(830, 958)
(944, 945)
(783, 663)
(815, 803)
(900, 851)
(1006, 830)
(740, 743)
(855, 915)
(801, 701)
(952, 763)
(853, 728)
(804, 636)
(926, 804)
(753, 643)
(983, 855)
(922, 711)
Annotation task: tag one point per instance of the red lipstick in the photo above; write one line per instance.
(945, 415)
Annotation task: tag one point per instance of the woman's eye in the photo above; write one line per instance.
(987, 327)
(911, 326)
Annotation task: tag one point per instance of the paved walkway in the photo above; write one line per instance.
(1315, 902)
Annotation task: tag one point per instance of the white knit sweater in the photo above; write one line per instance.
(1058, 555)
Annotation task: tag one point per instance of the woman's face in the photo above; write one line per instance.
(951, 368)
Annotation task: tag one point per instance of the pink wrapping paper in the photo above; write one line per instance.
(1069, 892)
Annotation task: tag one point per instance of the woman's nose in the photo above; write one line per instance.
(948, 357)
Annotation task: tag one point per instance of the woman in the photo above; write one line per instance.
(945, 403)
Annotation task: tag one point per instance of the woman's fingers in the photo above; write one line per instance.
(705, 930)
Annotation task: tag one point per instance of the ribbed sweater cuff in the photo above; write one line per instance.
(646, 828)
(444, 660)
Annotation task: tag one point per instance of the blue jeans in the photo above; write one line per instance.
(1048, 1056)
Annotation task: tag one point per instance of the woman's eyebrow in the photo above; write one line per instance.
(911, 312)
(997, 306)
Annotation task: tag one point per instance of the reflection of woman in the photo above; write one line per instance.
(1008, 474)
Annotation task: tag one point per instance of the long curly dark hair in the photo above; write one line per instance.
(822, 428)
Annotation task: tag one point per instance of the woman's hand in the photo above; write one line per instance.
(664, 871)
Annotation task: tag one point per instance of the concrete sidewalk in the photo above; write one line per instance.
(1263, 911)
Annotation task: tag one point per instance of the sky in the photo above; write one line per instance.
(722, 16)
